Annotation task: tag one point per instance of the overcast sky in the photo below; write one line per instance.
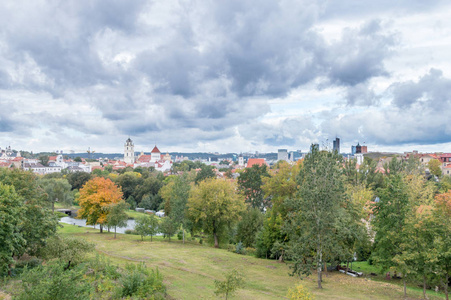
(225, 76)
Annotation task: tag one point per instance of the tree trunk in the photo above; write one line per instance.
(424, 287)
(114, 231)
(101, 228)
(216, 240)
(319, 268)
(109, 229)
(53, 206)
(446, 286)
(405, 287)
(183, 235)
(281, 257)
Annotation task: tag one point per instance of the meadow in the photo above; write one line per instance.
(190, 270)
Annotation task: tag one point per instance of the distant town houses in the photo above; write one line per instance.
(161, 162)
(230, 166)
(56, 164)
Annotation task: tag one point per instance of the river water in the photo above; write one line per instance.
(82, 223)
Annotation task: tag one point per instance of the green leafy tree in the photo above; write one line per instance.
(44, 159)
(151, 202)
(204, 173)
(78, 179)
(38, 222)
(175, 195)
(57, 190)
(142, 226)
(69, 250)
(315, 214)
(441, 252)
(250, 183)
(149, 186)
(249, 226)
(234, 281)
(117, 216)
(153, 226)
(131, 202)
(168, 227)
(11, 217)
(270, 234)
(390, 216)
(417, 244)
(128, 182)
(214, 205)
(434, 167)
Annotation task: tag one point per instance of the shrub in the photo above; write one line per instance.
(250, 251)
(299, 293)
(240, 248)
(234, 280)
(141, 283)
(231, 247)
(131, 231)
(60, 214)
(54, 282)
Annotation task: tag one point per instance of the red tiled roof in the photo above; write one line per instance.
(445, 155)
(144, 158)
(52, 158)
(155, 150)
(256, 161)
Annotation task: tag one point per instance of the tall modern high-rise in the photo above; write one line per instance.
(282, 154)
(129, 152)
(336, 144)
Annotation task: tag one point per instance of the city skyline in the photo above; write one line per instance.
(225, 77)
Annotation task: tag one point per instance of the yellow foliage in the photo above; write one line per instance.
(95, 197)
(299, 293)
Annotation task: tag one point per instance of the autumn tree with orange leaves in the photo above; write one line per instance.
(95, 197)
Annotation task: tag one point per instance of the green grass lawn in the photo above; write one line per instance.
(134, 214)
(190, 269)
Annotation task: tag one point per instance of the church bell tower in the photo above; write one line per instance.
(129, 152)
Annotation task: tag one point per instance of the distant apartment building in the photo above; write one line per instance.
(336, 145)
(282, 154)
(359, 149)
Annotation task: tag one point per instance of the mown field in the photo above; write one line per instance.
(190, 270)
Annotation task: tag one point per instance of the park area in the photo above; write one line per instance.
(190, 269)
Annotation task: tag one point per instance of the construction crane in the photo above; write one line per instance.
(90, 152)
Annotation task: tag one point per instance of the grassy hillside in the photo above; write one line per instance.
(190, 270)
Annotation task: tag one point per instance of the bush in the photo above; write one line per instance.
(53, 281)
(234, 281)
(131, 231)
(250, 251)
(60, 214)
(240, 248)
(141, 283)
(299, 293)
(180, 235)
